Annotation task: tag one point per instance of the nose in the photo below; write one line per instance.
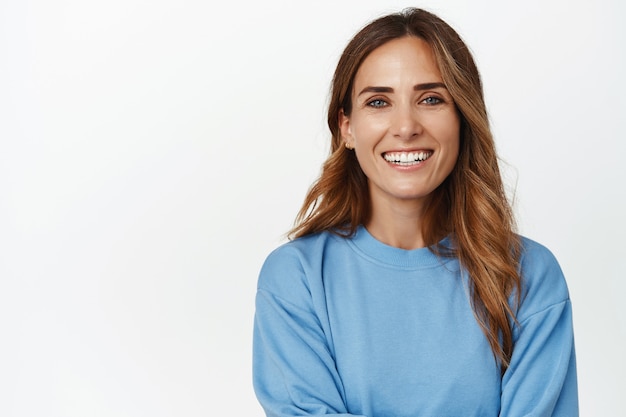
(405, 123)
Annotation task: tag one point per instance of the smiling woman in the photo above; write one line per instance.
(404, 129)
(406, 291)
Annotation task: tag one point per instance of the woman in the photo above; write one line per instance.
(405, 291)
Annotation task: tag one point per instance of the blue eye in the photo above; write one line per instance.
(432, 100)
(377, 103)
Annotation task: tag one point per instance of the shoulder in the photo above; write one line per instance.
(536, 257)
(298, 253)
(543, 282)
(295, 266)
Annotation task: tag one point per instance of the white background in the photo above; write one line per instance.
(153, 152)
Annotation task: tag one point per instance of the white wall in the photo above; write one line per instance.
(153, 152)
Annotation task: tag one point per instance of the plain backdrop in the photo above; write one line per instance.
(152, 153)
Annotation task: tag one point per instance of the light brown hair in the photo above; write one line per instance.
(470, 206)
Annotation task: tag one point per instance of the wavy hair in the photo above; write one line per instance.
(470, 206)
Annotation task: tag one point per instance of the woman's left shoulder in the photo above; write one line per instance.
(543, 282)
(535, 254)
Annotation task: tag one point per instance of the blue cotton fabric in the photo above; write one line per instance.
(353, 327)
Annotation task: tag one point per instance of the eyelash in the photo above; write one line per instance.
(429, 100)
(379, 103)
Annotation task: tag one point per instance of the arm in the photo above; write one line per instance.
(541, 378)
(294, 371)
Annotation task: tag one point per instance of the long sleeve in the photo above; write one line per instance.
(350, 327)
(294, 372)
(541, 379)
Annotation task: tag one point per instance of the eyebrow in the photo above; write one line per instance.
(417, 87)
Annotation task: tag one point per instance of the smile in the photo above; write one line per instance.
(406, 158)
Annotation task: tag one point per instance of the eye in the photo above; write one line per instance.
(432, 100)
(377, 103)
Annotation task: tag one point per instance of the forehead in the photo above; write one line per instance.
(408, 59)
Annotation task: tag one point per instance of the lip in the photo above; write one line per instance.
(402, 150)
(412, 150)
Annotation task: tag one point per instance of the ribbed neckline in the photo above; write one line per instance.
(370, 247)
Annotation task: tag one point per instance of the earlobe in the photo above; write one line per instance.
(346, 131)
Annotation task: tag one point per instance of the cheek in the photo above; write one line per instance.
(368, 129)
(450, 141)
(449, 134)
(453, 133)
(455, 144)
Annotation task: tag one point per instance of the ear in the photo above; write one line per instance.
(346, 130)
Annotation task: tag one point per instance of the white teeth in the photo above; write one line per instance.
(406, 158)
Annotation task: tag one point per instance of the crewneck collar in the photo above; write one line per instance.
(370, 247)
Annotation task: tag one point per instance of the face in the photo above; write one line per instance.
(404, 126)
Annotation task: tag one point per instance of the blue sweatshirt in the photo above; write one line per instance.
(353, 327)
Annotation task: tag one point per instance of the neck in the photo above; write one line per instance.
(397, 224)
